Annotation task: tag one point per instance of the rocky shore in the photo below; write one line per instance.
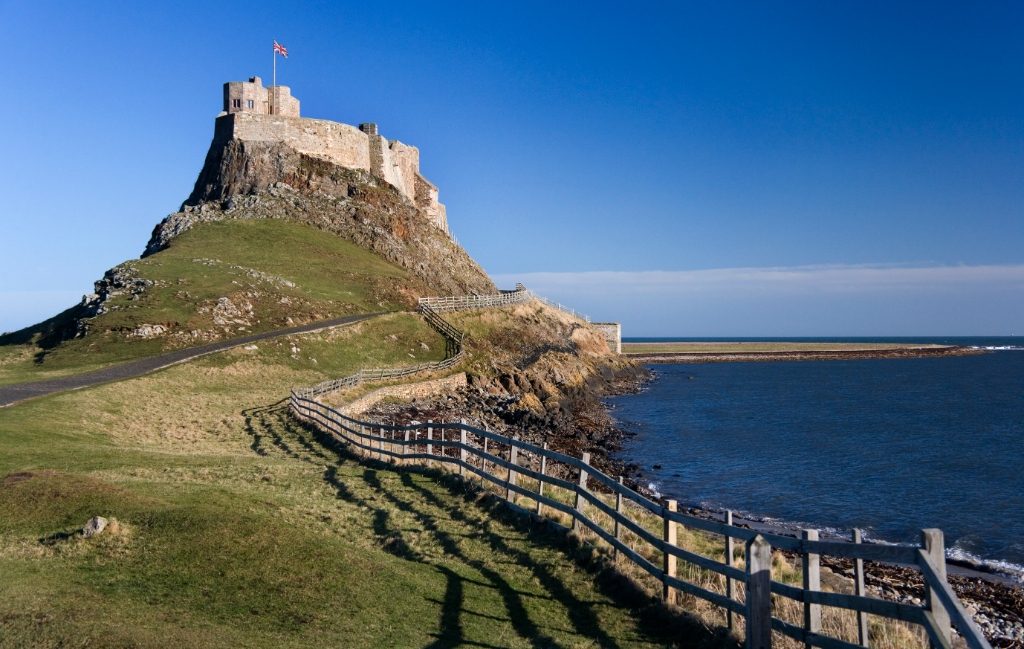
(583, 424)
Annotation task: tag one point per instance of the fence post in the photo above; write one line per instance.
(669, 560)
(463, 453)
(759, 593)
(811, 564)
(540, 483)
(577, 526)
(390, 443)
(934, 546)
(618, 510)
(730, 549)
(513, 458)
(405, 448)
(858, 589)
(483, 460)
(430, 446)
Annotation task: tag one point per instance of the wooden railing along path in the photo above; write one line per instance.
(506, 298)
(523, 470)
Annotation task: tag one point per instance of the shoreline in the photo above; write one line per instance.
(681, 357)
(994, 598)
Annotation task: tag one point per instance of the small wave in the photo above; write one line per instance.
(1000, 348)
(988, 565)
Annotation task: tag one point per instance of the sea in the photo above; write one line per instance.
(890, 446)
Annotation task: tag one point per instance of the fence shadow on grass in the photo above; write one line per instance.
(452, 513)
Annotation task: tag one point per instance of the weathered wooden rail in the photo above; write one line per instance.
(454, 354)
(463, 302)
(504, 462)
(506, 298)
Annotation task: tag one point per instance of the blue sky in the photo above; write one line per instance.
(734, 168)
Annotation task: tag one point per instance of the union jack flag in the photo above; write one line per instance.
(280, 49)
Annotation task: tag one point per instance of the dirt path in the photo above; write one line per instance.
(11, 394)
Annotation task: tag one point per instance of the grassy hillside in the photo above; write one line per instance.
(236, 528)
(219, 280)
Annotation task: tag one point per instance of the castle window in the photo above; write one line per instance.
(250, 104)
(236, 103)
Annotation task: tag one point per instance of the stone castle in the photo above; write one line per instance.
(255, 113)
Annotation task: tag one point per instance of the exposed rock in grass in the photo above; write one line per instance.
(94, 526)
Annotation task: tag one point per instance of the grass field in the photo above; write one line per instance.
(229, 259)
(236, 528)
(761, 347)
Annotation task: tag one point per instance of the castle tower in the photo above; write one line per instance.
(252, 112)
(251, 97)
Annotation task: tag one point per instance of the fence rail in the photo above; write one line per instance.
(505, 298)
(505, 462)
(464, 302)
(561, 307)
(454, 354)
(431, 308)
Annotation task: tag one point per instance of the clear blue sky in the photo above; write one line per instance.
(733, 168)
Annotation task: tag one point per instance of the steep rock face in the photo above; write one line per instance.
(267, 180)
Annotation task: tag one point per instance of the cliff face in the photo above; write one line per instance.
(270, 180)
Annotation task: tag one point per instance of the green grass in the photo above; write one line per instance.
(288, 272)
(237, 528)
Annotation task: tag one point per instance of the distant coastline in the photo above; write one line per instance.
(729, 352)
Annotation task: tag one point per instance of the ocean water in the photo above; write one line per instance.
(887, 445)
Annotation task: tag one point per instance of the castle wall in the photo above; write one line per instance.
(251, 97)
(341, 144)
(283, 102)
(404, 167)
(245, 97)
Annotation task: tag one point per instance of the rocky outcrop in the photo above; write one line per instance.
(269, 180)
(536, 373)
(122, 279)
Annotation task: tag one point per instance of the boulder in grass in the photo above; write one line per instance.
(94, 526)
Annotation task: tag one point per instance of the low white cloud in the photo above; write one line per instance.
(893, 299)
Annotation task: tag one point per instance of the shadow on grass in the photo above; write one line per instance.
(59, 537)
(272, 427)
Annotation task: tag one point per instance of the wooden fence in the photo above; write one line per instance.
(464, 302)
(560, 307)
(522, 471)
(509, 464)
(505, 298)
(454, 354)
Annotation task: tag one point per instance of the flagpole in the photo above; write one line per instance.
(273, 83)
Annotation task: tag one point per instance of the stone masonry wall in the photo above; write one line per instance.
(613, 334)
(356, 148)
(338, 143)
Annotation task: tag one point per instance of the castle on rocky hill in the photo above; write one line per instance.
(255, 113)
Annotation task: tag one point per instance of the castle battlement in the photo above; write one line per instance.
(253, 113)
(251, 97)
